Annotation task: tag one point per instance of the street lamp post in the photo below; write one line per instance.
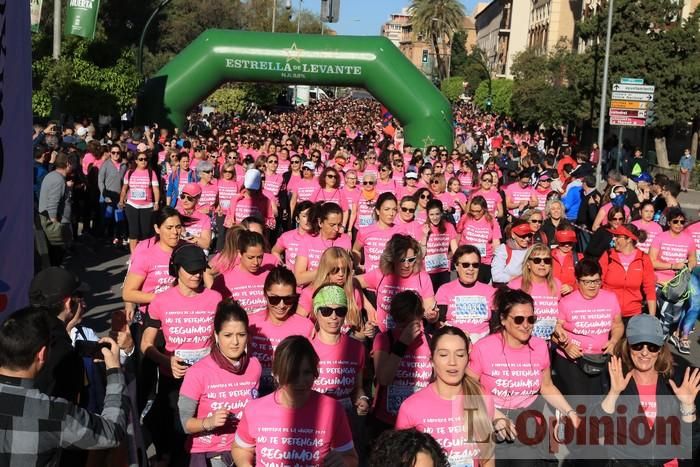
(603, 97)
(160, 6)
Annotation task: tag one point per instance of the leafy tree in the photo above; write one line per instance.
(437, 19)
(501, 96)
(472, 67)
(452, 88)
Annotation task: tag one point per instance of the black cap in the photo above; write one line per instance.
(53, 285)
(190, 257)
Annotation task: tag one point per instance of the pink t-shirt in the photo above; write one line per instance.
(351, 196)
(468, 308)
(373, 239)
(88, 158)
(437, 250)
(546, 306)
(228, 189)
(390, 186)
(466, 180)
(214, 389)
(365, 211)
(283, 166)
(302, 436)
(335, 195)
(305, 189)
(588, 322)
(272, 184)
(453, 201)
(290, 242)
(265, 336)
(694, 231)
(492, 199)
(541, 198)
(140, 194)
(626, 260)
(517, 194)
(389, 285)
(186, 322)
(208, 197)
(242, 207)
(653, 229)
(338, 368)
(513, 377)
(413, 373)
(672, 249)
(248, 289)
(443, 419)
(313, 247)
(152, 263)
(201, 223)
(481, 233)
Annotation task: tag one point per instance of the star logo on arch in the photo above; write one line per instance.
(428, 141)
(293, 53)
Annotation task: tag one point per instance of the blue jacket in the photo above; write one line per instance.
(174, 185)
(572, 200)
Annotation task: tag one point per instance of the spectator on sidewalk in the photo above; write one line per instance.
(686, 164)
(55, 208)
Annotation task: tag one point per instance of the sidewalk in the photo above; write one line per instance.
(690, 202)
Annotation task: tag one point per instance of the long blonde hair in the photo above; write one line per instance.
(526, 284)
(227, 258)
(328, 262)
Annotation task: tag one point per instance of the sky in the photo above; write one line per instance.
(365, 17)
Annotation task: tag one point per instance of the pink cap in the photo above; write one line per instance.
(192, 189)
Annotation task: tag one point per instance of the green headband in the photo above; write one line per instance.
(330, 295)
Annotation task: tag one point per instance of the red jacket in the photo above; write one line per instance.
(629, 285)
(564, 271)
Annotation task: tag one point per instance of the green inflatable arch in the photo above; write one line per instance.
(373, 63)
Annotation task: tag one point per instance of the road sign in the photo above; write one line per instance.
(632, 96)
(631, 81)
(634, 88)
(628, 121)
(616, 104)
(627, 113)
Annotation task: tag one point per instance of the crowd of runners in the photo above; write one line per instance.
(307, 288)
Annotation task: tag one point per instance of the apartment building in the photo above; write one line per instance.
(502, 33)
(551, 21)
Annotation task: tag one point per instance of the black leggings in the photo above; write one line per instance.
(572, 381)
(140, 222)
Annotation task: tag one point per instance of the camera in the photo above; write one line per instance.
(90, 349)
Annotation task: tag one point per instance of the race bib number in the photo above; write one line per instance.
(225, 203)
(395, 395)
(460, 460)
(544, 328)
(471, 309)
(438, 261)
(138, 194)
(482, 248)
(390, 323)
(192, 356)
(366, 220)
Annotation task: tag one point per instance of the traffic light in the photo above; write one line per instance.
(425, 55)
(489, 103)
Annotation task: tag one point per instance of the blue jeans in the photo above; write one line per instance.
(670, 314)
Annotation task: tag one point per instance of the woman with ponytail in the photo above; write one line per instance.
(437, 407)
(231, 376)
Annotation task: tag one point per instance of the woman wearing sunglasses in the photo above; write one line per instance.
(439, 240)
(207, 200)
(279, 320)
(341, 358)
(385, 182)
(453, 199)
(366, 202)
(466, 303)
(670, 252)
(199, 231)
(602, 238)
(539, 282)
(453, 404)
(401, 356)
(642, 372)
(589, 325)
(535, 218)
(422, 196)
(554, 218)
(292, 176)
(489, 191)
(629, 272)
(565, 258)
(508, 257)
(351, 191)
(329, 191)
(228, 188)
(494, 362)
(371, 240)
(615, 198)
(410, 184)
(400, 269)
(140, 196)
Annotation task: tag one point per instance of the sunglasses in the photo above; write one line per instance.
(333, 176)
(368, 183)
(678, 221)
(206, 171)
(272, 161)
(521, 319)
(327, 311)
(653, 348)
(526, 236)
(409, 260)
(466, 265)
(296, 162)
(487, 180)
(536, 221)
(142, 159)
(409, 210)
(567, 244)
(337, 270)
(288, 300)
(188, 197)
(228, 171)
(115, 152)
(434, 182)
(547, 261)
(475, 213)
(425, 196)
(616, 218)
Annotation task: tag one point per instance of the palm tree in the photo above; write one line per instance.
(437, 19)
